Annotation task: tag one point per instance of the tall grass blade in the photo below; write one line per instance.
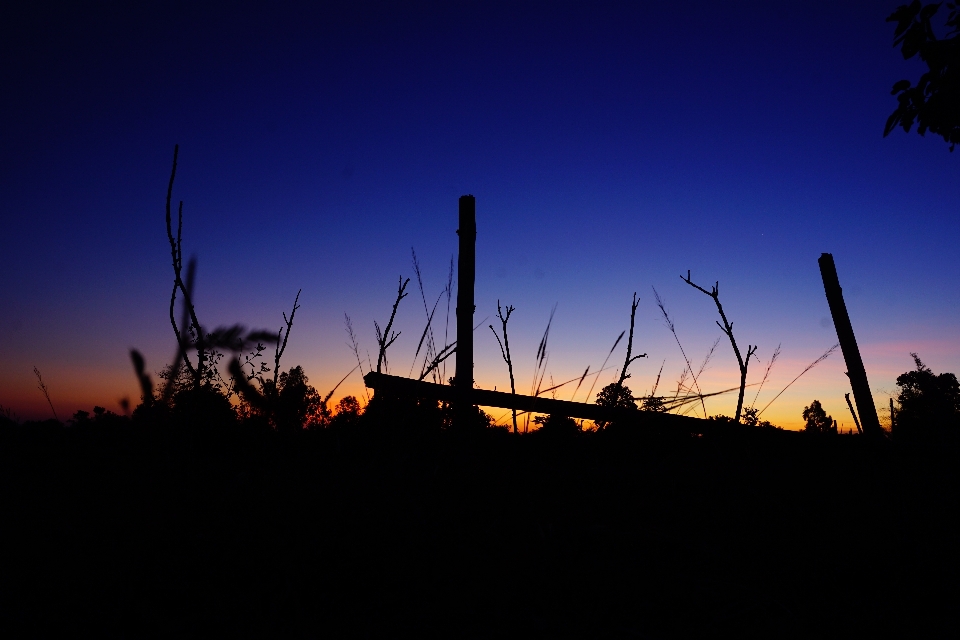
(825, 355)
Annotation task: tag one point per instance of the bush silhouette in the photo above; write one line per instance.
(298, 404)
(557, 425)
(817, 419)
(615, 395)
(929, 404)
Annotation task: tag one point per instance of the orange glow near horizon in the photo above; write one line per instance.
(74, 388)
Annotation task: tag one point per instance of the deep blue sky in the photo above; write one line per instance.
(611, 147)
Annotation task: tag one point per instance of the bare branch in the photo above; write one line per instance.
(281, 346)
(626, 363)
(382, 337)
(727, 328)
(505, 350)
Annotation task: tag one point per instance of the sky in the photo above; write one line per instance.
(611, 147)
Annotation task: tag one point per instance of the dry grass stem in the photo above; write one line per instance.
(825, 355)
(46, 394)
(386, 338)
(673, 330)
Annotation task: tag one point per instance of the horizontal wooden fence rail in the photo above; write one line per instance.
(398, 387)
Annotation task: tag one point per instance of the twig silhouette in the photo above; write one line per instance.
(505, 352)
(727, 328)
(626, 363)
(176, 254)
(46, 393)
(385, 338)
(281, 346)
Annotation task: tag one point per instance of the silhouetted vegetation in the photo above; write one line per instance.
(817, 420)
(929, 405)
(505, 352)
(244, 505)
(934, 102)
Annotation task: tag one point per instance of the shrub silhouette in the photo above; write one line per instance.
(346, 414)
(817, 419)
(929, 404)
(298, 405)
(557, 425)
(615, 395)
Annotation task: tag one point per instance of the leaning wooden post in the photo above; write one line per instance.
(466, 276)
(869, 419)
(853, 413)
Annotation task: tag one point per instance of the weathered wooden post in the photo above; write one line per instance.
(466, 276)
(869, 420)
(853, 413)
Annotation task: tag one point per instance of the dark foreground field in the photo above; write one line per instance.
(146, 532)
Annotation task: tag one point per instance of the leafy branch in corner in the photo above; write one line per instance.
(934, 103)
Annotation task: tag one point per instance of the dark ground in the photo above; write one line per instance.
(137, 532)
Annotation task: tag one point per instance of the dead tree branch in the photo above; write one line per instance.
(281, 346)
(505, 352)
(176, 254)
(626, 363)
(727, 328)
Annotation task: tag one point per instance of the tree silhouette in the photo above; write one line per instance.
(615, 395)
(299, 405)
(817, 419)
(929, 403)
(934, 103)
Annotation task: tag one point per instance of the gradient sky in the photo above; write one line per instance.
(611, 147)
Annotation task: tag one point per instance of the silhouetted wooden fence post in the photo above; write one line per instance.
(869, 420)
(463, 396)
(466, 276)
